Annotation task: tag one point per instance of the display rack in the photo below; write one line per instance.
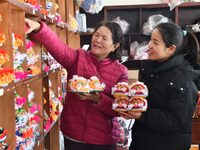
(40, 87)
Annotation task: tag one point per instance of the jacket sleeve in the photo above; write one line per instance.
(105, 104)
(63, 54)
(176, 115)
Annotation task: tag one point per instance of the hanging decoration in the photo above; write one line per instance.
(47, 122)
(1, 18)
(91, 6)
(2, 38)
(27, 122)
(17, 40)
(6, 76)
(3, 136)
(18, 57)
(32, 59)
(45, 66)
(73, 24)
(3, 57)
(33, 3)
(173, 3)
(19, 101)
(53, 64)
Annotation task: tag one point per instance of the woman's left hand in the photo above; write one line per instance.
(95, 97)
(130, 114)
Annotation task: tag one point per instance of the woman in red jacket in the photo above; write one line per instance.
(86, 120)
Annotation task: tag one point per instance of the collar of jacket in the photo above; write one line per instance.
(99, 62)
(155, 67)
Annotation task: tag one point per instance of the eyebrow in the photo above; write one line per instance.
(155, 40)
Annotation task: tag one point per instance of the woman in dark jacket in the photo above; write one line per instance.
(170, 76)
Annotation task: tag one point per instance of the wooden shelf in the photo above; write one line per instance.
(42, 84)
(196, 131)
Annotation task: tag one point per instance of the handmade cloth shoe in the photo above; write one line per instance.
(3, 134)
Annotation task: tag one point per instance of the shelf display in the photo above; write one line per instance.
(3, 136)
(31, 89)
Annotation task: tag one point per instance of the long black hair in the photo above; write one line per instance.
(186, 42)
(117, 37)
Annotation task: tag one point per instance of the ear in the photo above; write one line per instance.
(172, 49)
(116, 45)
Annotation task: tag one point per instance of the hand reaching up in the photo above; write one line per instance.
(31, 25)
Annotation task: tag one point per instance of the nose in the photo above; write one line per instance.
(98, 39)
(149, 44)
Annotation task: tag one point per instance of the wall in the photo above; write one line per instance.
(134, 2)
(130, 2)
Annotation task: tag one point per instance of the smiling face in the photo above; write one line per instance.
(102, 43)
(157, 48)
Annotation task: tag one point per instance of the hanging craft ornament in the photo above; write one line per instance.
(73, 24)
(19, 73)
(45, 67)
(32, 2)
(3, 134)
(19, 101)
(4, 146)
(21, 118)
(33, 107)
(17, 40)
(6, 76)
(3, 57)
(47, 123)
(1, 18)
(2, 39)
(22, 1)
(32, 70)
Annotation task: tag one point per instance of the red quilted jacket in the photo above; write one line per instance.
(83, 120)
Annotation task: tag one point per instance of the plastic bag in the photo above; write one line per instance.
(123, 24)
(152, 22)
(91, 6)
(173, 3)
(61, 141)
(120, 133)
(139, 51)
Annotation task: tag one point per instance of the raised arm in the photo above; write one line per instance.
(61, 52)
